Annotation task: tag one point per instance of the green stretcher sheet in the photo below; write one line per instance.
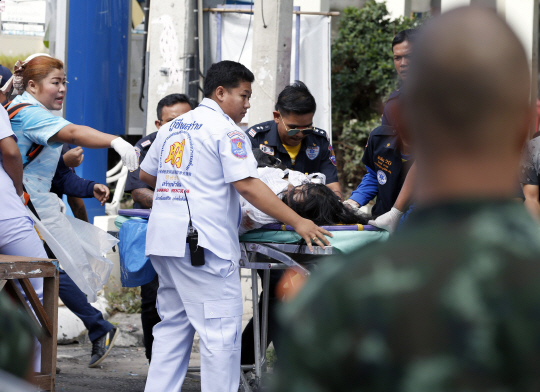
(343, 241)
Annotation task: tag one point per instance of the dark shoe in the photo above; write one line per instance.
(102, 346)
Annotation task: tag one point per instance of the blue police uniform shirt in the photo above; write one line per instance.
(383, 156)
(133, 181)
(66, 181)
(315, 156)
(389, 117)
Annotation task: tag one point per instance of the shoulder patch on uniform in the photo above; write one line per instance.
(252, 132)
(238, 148)
(332, 156)
(137, 151)
(381, 177)
(146, 143)
(235, 134)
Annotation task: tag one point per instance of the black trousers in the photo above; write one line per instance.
(149, 314)
(248, 345)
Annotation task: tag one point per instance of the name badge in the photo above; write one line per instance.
(267, 149)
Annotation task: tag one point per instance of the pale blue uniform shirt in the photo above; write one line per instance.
(198, 155)
(36, 124)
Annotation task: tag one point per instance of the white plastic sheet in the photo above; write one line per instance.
(79, 246)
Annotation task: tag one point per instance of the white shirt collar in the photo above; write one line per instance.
(210, 103)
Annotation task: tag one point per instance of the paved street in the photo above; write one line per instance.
(124, 370)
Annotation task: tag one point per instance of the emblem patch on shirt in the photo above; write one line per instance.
(137, 151)
(266, 149)
(333, 156)
(146, 143)
(312, 152)
(252, 133)
(381, 177)
(238, 147)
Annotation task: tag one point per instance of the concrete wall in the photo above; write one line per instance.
(167, 37)
(21, 45)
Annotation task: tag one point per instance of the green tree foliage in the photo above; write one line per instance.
(363, 74)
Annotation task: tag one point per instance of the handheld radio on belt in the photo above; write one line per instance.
(197, 252)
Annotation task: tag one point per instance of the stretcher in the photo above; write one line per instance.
(286, 250)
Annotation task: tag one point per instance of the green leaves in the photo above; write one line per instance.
(363, 74)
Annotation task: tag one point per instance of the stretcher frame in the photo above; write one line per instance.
(277, 252)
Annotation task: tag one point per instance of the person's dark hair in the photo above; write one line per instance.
(404, 35)
(320, 204)
(173, 99)
(297, 99)
(226, 73)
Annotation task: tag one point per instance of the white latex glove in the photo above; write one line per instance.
(352, 203)
(126, 152)
(388, 221)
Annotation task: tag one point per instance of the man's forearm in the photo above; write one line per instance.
(78, 208)
(336, 189)
(143, 196)
(533, 206)
(12, 162)
(14, 169)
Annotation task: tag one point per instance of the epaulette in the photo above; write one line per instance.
(320, 132)
(384, 130)
(264, 127)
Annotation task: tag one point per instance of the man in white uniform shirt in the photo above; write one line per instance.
(198, 165)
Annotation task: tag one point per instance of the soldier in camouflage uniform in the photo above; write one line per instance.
(452, 301)
(16, 339)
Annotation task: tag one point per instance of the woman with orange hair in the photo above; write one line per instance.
(40, 86)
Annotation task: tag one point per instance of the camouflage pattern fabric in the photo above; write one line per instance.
(450, 303)
(16, 338)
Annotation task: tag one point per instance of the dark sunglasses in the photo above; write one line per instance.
(294, 131)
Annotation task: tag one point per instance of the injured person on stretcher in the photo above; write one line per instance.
(307, 195)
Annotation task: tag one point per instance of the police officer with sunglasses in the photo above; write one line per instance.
(292, 138)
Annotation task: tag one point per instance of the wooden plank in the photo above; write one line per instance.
(11, 259)
(24, 269)
(45, 382)
(14, 291)
(48, 343)
(36, 305)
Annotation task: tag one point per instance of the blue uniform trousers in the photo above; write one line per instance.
(76, 301)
